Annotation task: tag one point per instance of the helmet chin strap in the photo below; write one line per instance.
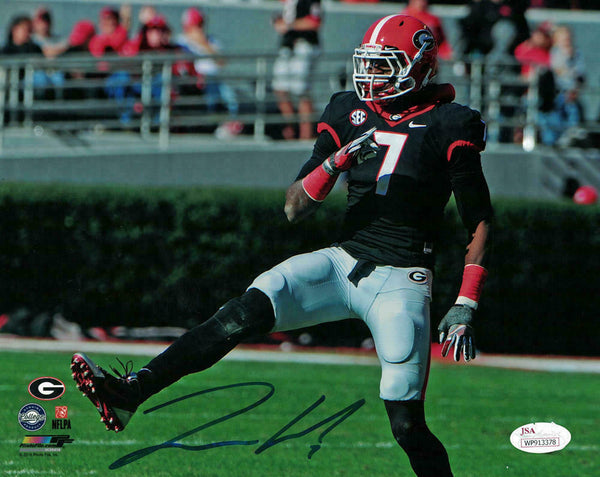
(412, 83)
(426, 44)
(427, 77)
(405, 84)
(401, 83)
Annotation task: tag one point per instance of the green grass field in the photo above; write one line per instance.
(472, 410)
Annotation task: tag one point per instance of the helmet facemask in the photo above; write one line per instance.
(382, 74)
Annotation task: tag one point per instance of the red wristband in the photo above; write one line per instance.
(318, 184)
(472, 284)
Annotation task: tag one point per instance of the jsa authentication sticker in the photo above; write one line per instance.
(540, 437)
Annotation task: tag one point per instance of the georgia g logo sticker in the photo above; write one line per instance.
(423, 37)
(358, 116)
(46, 388)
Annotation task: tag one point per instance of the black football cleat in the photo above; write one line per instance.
(116, 398)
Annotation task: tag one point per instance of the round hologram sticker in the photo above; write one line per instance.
(540, 437)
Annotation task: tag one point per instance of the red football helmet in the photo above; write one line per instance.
(398, 54)
(585, 195)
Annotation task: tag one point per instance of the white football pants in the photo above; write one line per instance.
(314, 288)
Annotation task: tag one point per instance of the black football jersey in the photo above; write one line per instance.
(397, 198)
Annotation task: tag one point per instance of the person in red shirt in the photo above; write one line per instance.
(533, 55)
(535, 51)
(112, 36)
(155, 35)
(420, 9)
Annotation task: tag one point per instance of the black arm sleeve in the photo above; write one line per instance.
(470, 187)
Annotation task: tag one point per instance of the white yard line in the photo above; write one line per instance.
(531, 363)
(540, 363)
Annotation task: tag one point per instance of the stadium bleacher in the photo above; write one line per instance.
(62, 131)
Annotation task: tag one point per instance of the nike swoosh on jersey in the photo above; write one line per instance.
(415, 125)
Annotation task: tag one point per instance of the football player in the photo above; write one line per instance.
(406, 146)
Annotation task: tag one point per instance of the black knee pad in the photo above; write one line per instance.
(409, 435)
(426, 453)
(406, 420)
(247, 315)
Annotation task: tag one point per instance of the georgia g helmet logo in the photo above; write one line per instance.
(46, 388)
(423, 37)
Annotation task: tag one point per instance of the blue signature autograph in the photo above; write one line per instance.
(280, 436)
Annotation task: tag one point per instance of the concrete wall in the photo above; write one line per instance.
(510, 171)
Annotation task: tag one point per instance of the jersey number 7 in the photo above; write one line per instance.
(395, 143)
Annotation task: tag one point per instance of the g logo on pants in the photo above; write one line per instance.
(417, 276)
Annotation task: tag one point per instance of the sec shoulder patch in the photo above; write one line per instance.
(358, 117)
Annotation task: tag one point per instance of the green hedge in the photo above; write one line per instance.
(157, 256)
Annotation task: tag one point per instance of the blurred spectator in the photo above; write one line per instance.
(535, 51)
(514, 11)
(299, 29)
(476, 39)
(51, 46)
(477, 26)
(533, 56)
(146, 13)
(490, 32)
(111, 37)
(420, 10)
(154, 36)
(125, 17)
(568, 68)
(566, 61)
(19, 40)
(43, 35)
(79, 38)
(195, 40)
(501, 57)
(78, 44)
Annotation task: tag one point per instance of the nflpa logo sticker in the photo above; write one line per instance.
(60, 412)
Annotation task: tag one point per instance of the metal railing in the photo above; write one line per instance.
(155, 94)
(147, 93)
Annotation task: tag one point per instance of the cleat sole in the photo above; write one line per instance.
(85, 372)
